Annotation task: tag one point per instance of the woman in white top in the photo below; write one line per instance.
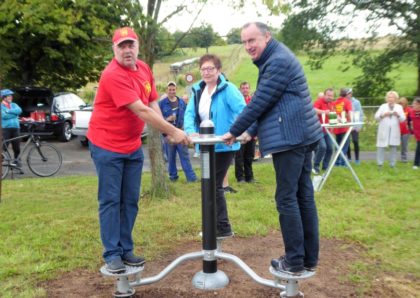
(389, 115)
(214, 98)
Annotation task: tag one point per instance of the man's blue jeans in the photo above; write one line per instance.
(323, 153)
(119, 179)
(339, 138)
(296, 206)
(184, 159)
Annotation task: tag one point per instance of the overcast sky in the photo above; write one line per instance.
(223, 18)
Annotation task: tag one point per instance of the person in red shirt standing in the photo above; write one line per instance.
(245, 156)
(323, 152)
(414, 126)
(125, 100)
(405, 133)
(342, 104)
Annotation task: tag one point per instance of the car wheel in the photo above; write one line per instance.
(65, 134)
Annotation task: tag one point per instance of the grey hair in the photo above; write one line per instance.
(261, 26)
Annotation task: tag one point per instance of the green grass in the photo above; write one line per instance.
(331, 75)
(49, 226)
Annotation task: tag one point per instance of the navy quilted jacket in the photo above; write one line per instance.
(281, 108)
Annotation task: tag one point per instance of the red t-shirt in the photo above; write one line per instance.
(322, 104)
(113, 126)
(415, 123)
(342, 104)
(403, 125)
(248, 99)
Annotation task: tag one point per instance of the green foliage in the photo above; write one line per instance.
(296, 34)
(49, 226)
(58, 44)
(234, 36)
(319, 15)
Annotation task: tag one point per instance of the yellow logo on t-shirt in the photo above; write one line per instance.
(147, 88)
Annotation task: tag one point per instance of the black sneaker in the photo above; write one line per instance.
(310, 268)
(223, 234)
(230, 189)
(132, 260)
(281, 265)
(115, 266)
(241, 180)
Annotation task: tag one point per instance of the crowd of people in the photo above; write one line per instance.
(396, 122)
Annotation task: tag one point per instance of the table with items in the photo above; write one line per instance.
(338, 152)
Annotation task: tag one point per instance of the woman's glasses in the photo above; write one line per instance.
(207, 69)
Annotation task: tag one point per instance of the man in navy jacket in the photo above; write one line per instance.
(281, 114)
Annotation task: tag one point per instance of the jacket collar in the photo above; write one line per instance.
(221, 83)
(272, 45)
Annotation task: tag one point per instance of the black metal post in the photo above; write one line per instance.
(208, 197)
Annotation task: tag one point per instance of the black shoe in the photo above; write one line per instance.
(252, 180)
(132, 260)
(115, 266)
(310, 268)
(241, 180)
(227, 233)
(229, 189)
(281, 265)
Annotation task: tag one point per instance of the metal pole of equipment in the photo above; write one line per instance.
(210, 277)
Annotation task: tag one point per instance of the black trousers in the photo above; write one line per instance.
(222, 163)
(355, 139)
(243, 161)
(9, 133)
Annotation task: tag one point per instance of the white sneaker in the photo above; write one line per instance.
(415, 167)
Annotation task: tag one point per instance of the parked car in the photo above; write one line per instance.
(53, 111)
(81, 120)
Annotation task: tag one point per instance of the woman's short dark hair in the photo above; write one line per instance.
(213, 58)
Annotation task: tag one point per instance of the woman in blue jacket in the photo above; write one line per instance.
(10, 119)
(215, 99)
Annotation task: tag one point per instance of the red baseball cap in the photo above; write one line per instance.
(123, 34)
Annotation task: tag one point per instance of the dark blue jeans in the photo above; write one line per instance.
(184, 158)
(323, 153)
(417, 155)
(339, 138)
(296, 206)
(119, 178)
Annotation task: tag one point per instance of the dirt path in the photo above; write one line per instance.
(331, 280)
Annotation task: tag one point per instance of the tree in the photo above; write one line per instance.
(234, 36)
(401, 15)
(58, 44)
(203, 36)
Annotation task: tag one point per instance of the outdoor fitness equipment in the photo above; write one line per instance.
(210, 278)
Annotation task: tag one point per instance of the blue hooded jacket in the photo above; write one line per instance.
(10, 117)
(281, 112)
(226, 104)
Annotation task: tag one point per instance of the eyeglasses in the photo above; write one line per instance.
(208, 69)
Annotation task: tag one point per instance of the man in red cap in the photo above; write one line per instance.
(126, 99)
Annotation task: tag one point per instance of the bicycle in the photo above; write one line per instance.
(43, 159)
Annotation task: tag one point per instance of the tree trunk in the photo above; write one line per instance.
(159, 185)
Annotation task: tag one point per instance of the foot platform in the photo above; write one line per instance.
(123, 288)
(291, 282)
